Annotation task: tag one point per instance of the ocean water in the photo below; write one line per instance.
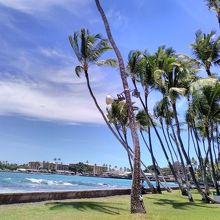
(28, 182)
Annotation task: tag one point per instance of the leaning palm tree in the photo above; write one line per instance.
(215, 5)
(173, 79)
(88, 50)
(118, 116)
(142, 68)
(206, 103)
(207, 50)
(137, 205)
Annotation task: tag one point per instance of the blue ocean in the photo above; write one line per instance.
(28, 182)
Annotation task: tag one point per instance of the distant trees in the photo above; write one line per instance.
(81, 168)
(5, 165)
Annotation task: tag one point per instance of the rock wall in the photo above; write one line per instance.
(9, 198)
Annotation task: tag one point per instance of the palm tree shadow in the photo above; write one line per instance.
(179, 205)
(85, 206)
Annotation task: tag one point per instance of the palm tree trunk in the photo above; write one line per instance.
(126, 142)
(218, 17)
(208, 71)
(168, 146)
(130, 152)
(129, 158)
(119, 138)
(137, 205)
(153, 162)
(100, 110)
(201, 162)
(211, 159)
(162, 146)
(188, 161)
(213, 147)
(218, 142)
(186, 190)
(171, 144)
(145, 142)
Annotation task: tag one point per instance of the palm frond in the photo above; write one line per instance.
(79, 70)
(108, 62)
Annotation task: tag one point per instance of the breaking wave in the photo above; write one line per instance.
(49, 182)
(62, 183)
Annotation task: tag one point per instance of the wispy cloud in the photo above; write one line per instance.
(37, 77)
(116, 18)
(48, 92)
(31, 100)
(42, 6)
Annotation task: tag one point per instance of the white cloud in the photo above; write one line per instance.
(31, 100)
(45, 91)
(117, 18)
(36, 6)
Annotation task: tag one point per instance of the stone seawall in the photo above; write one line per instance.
(9, 198)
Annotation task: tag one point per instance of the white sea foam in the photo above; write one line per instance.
(39, 181)
(49, 182)
(69, 184)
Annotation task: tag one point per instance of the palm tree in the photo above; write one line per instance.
(137, 205)
(215, 5)
(207, 50)
(191, 121)
(206, 103)
(174, 75)
(142, 68)
(88, 49)
(118, 116)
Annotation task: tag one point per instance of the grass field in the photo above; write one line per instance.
(168, 206)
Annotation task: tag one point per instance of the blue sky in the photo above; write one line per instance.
(45, 110)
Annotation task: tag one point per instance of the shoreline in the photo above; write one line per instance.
(29, 197)
(62, 174)
(65, 174)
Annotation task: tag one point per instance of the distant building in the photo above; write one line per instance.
(34, 165)
(95, 169)
(99, 170)
(48, 166)
(61, 166)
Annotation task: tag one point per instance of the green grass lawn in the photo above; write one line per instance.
(168, 206)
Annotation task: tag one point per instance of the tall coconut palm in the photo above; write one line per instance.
(137, 205)
(191, 121)
(215, 5)
(118, 116)
(88, 49)
(206, 102)
(173, 80)
(207, 50)
(161, 110)
(141, 68)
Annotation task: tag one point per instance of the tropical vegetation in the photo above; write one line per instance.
(191, 144)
